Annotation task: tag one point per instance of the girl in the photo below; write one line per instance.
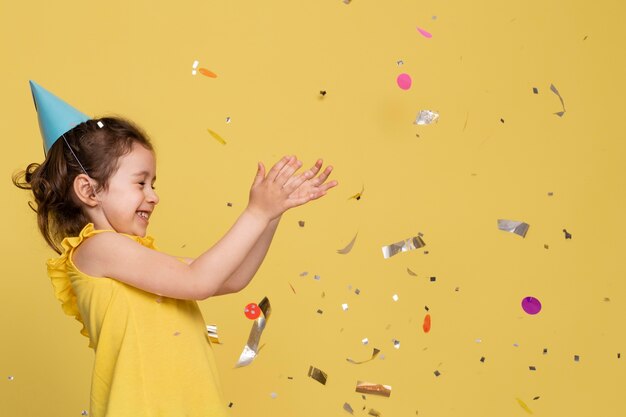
(94, 197)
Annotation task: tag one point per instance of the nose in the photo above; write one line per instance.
(152, 196)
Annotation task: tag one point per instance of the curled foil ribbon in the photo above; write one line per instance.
(373, 389)
(403, 246)
(519, 228)
(250, 350)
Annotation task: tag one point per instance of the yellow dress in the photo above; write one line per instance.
(153, 356)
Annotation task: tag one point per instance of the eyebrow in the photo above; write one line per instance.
(138, 174)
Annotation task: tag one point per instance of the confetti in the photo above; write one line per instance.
(437, 373)
(513, 226)
(399, 62)
(176, 333)
(227, 119)
(532, 368)
(365, 341)
(576, 358)
(545, 351)
(217, 137)
(229, 204)
(212, 331)
(555, 91)
(567, 234)
(84, 413)
(395, 297)
(524, 406)
(11, 378)
(194, 67)
(433, 279)
(373, 389)
(317, 277)
(375, 353)
(301, 223)
(304, 274)
(424, 33)
(251, 348)
(344, 307)
(402, 246)
(358, 195)
(531, 305)
(292, 288)
(273, 395)
(347, 1)
(535, 90)
(320, 311)
(208, 73)
(426, 324)
(482, 359)
(374, 413)
(252, 311)
(426, 117)
(348, 248)
(348, 408)
(413, 274)
(396, 343)
(404, 81)
(357, 291)
(100, 124)
(318, 375)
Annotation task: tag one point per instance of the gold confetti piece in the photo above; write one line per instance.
(251, 349)
(212, 331)
(513, 226)
(403, 246)
(358, 195)
(524, 406)
(217, 137)
(348, 248)
(374, 413)
(292, 289)
(348, 408)
(318, 375)
(373, 389)
(208, 73)
(555, 91)
(413, 274)
(374, 354)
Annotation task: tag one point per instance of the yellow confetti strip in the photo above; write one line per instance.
(524, 406)
(217, 137)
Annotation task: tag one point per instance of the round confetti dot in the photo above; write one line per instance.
(404, 81)
(252, 311)
(531, 305)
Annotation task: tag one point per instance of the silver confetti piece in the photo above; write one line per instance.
(250, 350)
(212, 331)
(403, 246)
(513, 226)
(348, 408)
(426, 117)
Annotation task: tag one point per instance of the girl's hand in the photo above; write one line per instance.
(280, 190)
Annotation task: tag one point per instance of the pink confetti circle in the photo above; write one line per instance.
(531, 305)
(404, 81)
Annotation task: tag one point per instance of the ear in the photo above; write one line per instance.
(84, 190)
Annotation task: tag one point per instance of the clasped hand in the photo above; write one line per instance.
(281, 189)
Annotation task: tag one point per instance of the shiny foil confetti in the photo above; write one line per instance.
(396, 343)
(374, 413)
(373, 389)
(194, 67)
(567, 234)
(395, 297)
(555, 91)
(375, 353)
(348, 248)
(217, 137)
(365, 341)
(84, 413)
(292, 288)
(212, 331)
(513, 226)
(347, 407)
(426, 117)
(411, 273)
(524, 406)
(403, 246)
(301, 223)
(250, 350)
(100, 124)
(318, 375)
(207, 73)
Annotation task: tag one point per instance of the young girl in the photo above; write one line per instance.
(94, 197)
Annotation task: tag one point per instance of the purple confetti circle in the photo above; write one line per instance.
(531, 305)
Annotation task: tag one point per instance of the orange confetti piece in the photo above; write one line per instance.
(426, 325)
(208, 73)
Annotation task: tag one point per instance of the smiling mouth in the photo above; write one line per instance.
(143, 215)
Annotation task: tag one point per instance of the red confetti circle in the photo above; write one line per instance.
(252, 311)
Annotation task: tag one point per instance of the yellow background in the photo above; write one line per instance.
(451, 183)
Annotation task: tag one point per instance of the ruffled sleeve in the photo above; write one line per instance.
(59, 274)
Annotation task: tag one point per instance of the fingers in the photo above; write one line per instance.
(260, 174)
(323, 176)
(285, 174)
(296, 182)
(277, 167)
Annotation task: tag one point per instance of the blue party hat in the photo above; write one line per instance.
(56, 117)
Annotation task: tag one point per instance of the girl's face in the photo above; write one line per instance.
(130, 198)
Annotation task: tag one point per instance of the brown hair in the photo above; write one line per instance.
(59, 211)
